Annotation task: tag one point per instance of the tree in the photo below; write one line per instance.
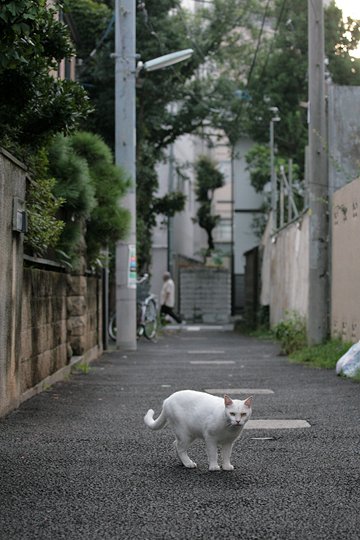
(279, 77)
(90, 186)
(170, 102)
(108, 221)
(34, 104)
(208, 179)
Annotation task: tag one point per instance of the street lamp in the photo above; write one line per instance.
(125, 145)
(165, 61)
(275, 118)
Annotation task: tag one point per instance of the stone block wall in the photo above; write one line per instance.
(44, 343)
(205, 295)
(61, 319)
(48, 319)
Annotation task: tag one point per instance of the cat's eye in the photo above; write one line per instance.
(232, 414)
(243, 414)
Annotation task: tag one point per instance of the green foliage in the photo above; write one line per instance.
(83, 368)
(75, 187)
(42, 207)
(321, 356)
(92, 187)
(279, 77)
(170, 204)
(108, 222)
(291, 332)
(164, 26)
(73, 179)
(34, 104)
(248, 79)
(258, 164)
(208, 178)
(91, 18)
(342, 38)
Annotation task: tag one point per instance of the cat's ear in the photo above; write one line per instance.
(248, 402)
(228, 401)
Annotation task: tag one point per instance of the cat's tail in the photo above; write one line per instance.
(159, 423)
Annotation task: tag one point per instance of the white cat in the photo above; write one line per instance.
(197, 415)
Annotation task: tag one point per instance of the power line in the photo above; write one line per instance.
(273, 38)
(258, 42)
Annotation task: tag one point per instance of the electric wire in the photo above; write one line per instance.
(258, 43)
(282, 10)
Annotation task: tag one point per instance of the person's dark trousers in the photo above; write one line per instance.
(166, 310)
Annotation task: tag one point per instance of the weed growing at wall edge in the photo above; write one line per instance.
(291, 332)
(321, 356)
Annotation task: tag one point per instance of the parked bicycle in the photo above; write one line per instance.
(146, 312)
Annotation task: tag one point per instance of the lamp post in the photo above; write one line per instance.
(275, 118)
(125, 145)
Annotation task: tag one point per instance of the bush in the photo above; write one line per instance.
(291, 333)
(42, 207)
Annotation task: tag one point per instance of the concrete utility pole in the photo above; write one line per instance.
(318, 180)
(125, 155)
(125, 151)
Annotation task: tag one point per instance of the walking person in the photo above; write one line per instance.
(167, 298)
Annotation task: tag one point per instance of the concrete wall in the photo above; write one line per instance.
(247, 204)
(345, 289)
(205, 295)
(285, 269)
(49, 320)
(12, 184)
(60, 320)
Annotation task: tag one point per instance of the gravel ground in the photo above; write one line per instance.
(77, 461)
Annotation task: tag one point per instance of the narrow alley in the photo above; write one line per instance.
(77, 461)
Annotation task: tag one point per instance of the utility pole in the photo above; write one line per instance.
(125, 156)
(318, 181)
(125, 151)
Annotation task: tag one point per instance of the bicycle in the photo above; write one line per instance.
(146, 313)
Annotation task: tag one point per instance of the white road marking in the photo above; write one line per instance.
(209, 362)
(277, 424)
(233, 391)
(206, 351)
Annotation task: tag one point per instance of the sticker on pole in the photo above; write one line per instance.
(132, 267)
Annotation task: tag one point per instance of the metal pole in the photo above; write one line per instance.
(125, 144)
(282, 200)
(273, 177)
(170, 219)
(105, 299)
(290, 190)
(318, 181)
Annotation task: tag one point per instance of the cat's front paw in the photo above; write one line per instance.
(191, 465)
(228, 467)
(214, 468)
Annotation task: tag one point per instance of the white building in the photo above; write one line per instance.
(236, 202)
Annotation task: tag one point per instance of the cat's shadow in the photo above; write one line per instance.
(202, 473)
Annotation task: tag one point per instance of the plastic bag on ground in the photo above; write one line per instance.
(349, 363)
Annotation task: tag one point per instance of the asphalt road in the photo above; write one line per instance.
(77, 462)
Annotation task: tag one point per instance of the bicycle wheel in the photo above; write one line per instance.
(150, 322)
(112, 327)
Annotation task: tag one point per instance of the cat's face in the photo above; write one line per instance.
(237, 412)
